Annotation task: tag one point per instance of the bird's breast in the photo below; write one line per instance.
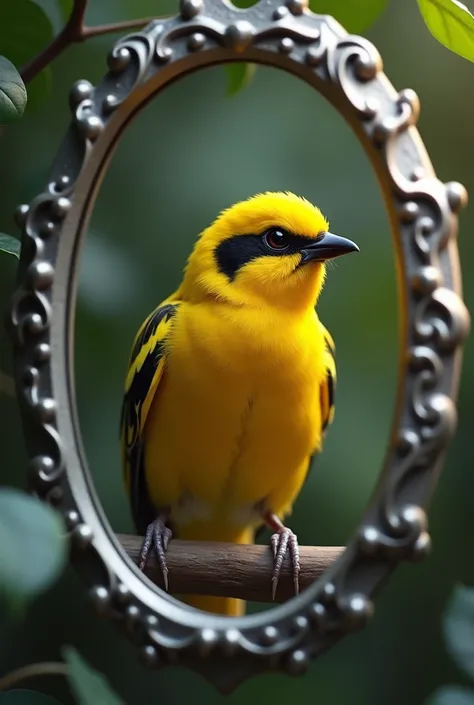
(236, 413)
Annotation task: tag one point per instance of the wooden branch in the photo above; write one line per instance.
(33, 670)
(100, 30)
(68, 35)
(75, 31)
(230, 570)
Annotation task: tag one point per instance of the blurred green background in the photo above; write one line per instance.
(192, 152)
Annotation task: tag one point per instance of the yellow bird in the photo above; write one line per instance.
(230, 385)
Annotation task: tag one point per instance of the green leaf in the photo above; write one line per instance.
(8, 243)
(65, 6)
(25, 30)
(239, 75)
(26, 697)
(243, 4)
(32, 546)
(88, 685)
(7, 385)
(450, 695)
(12, 93)
(355, 15)
(451, 23)
(459, 628)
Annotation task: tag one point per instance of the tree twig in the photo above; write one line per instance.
(47, 668)
(99, 30)
(230, 570)
(75, 31)
(68, 35)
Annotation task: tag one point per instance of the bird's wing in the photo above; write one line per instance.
(145, 370)
(328, 385)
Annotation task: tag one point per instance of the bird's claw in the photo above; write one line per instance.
(158, 535)
(281, 541)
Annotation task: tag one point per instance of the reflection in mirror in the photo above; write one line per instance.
(232, 372)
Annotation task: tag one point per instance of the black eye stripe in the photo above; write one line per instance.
(236, 251)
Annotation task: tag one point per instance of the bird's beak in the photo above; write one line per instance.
(327, 246)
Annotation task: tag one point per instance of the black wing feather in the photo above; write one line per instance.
(145, 370)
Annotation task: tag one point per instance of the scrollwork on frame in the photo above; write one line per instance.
(348, 71)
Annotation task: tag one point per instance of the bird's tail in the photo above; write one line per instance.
(229, 606)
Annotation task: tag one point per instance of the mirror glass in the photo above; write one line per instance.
(233, 417)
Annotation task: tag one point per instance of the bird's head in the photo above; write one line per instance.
(268, 250)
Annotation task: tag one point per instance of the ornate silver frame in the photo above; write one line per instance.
(347, 70)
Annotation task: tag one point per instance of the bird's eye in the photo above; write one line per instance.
(277, 239)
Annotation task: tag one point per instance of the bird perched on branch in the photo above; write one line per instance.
(230, 386)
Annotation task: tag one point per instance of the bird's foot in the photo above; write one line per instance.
(157, 535)
(282, 541)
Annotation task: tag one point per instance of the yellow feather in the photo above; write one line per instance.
(230, 394)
